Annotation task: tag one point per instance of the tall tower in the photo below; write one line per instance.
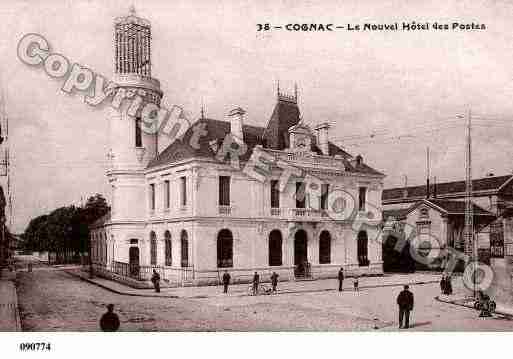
(131, 145)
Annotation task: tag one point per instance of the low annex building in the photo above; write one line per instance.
(192, 208)
(438, 211)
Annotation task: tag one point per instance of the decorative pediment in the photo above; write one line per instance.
(300, 138)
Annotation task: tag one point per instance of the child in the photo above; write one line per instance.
(355, 284)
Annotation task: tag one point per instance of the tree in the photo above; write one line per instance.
(95, 208)
(65, 230)
(35, 237)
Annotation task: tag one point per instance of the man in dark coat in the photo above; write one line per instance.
(256, 279)
(155, 279)
(109, 321)
(226, 281)
(274, 281)
(405, 302)
(340, 279)
(448, 285)
(443, 284)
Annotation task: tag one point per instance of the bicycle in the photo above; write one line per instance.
(262, 289)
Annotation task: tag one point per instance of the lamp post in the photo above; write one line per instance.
(91, 270)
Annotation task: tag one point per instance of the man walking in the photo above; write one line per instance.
(405, 302)
(256, 279)
(340, 279)
(274, 281)
(155, 279)
(226, 281)
(109, 321)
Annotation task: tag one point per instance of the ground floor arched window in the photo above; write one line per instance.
(153, 248)
(275, 248)
(362, 249)
(184, 241)
(225, 249)
(168, 249)
(325, 247)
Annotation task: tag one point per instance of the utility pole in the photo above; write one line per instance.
(427, 174)
(471, 249)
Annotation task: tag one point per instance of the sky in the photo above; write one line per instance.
(388, 95)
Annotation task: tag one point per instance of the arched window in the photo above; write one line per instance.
(168, 259)
(362, 249)
(185, 248)
(153, 248)
(275, 248)
(325, 247)
(225, 249)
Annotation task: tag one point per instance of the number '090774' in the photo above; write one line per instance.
(35, 347)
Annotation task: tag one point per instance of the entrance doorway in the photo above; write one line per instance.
(133, 261)
(301, 253)
(396, 256)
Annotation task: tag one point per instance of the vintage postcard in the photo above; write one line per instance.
(255, 166)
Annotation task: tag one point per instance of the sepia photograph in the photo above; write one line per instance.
(279, 168)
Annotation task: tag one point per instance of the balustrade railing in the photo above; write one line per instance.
(225, 210)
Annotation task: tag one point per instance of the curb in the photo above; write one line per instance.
(117, 291)
(453, 302)
(244, 294)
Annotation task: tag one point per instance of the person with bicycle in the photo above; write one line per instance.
(256, 280)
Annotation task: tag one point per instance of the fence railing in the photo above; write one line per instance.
(138, 272)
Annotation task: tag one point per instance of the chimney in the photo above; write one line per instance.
(322, 138)
(236, 121)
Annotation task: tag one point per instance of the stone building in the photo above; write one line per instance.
(492, 197)
(229, 195)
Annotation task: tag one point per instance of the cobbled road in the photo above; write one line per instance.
(52, 300)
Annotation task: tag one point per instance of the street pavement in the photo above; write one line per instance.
(9, 316)
(57, 301)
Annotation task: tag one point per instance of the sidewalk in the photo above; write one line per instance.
(240, 290)
(9, 313)
(468, 302)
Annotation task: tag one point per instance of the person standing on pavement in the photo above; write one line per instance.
(155, 279)
(340, 279)
(405, 303)
(443, 284)
(274, 281)
(226, 281)
(109, 321)
(448, 285)
(256, 279)
(356, 284)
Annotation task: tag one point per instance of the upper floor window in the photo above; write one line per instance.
(152, 196)
(138, 132)
(362, 198)
(275, 194)
(224, 190)
(324, 195)
(167, 194)
(183, 191)
(300, 195)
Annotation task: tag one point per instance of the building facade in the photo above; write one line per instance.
(493, 223)
(228, 195)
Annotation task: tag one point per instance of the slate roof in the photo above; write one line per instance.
(458, 207)
(285, 115)
(481, 184)
(274, 136)
(395, 213)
